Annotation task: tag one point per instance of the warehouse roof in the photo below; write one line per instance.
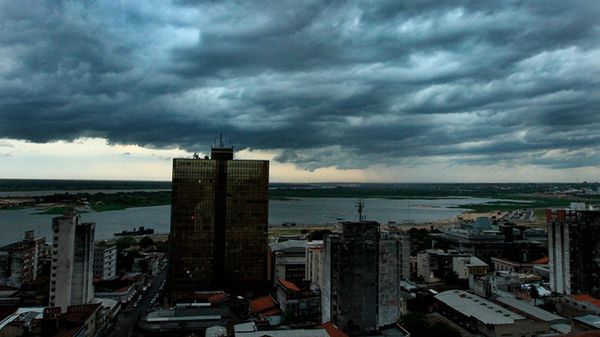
(591, 320)
(471, 305)
(529, 309)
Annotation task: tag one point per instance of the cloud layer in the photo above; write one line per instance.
(321, 83)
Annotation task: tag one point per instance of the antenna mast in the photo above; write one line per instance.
(360, 205)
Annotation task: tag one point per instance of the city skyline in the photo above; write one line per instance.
(356, 92)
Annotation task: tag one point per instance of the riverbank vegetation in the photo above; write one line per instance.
(506, 197)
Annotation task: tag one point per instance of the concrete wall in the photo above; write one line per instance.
(62, 260)
(105, 262)
(82, 291)
(72, 262)
(391, 270)
(558, 249)
(423, 269)
(314, 266)
(330, 243)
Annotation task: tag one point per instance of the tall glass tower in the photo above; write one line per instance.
(219, 219)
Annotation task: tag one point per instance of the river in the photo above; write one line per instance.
(300, 211)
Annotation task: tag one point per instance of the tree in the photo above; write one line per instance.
(125, 242)
(146, 242)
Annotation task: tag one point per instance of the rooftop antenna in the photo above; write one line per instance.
(360, 205)
(221, 145)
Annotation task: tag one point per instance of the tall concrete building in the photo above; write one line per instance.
(362, 270)
(21, 262)
(219, 219)
(573, 247)
(71, 278)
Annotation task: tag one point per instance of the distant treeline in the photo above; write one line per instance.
(51, 185)
(312, 189)
(535, 196)
(100, 202)
(400, 191)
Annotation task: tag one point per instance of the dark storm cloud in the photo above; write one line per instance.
(350, 84)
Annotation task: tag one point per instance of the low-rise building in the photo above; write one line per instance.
(557, 323)
(516, 284)
(79, 320)
(507, 265)
(586, 323)
(24, 321)
(489, 243)
(298, 301)
(110, 309)
(469, 266)
(433, 264)
(121, 289)
(487, 318)
(150, 263)
(251, 330)
(105, 261)
(584, 303)
(287, 259)
(186, 320)
(267, 309)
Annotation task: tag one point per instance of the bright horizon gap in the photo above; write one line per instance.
(98, 159)
(324, 182)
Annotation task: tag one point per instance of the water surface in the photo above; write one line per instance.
(300, 211)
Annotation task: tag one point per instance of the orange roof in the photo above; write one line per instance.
(543, 260)
(217, 298)
(271, 312)
(261, 304)
(289, 285)
(586, 298)
(332, 330)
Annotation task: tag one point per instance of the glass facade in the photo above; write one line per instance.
(219, 219)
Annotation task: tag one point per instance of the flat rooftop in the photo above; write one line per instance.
(285, 333)
(188, 314)
(471, 305)
(591, 320)
(530, 309)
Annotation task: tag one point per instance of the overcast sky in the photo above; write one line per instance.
(402, 91)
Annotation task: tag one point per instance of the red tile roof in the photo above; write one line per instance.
(289, 285)
(332, 330)
(262, 304)
(586, 298)
(543, 260)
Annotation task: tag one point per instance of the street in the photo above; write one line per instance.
(130, 315)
